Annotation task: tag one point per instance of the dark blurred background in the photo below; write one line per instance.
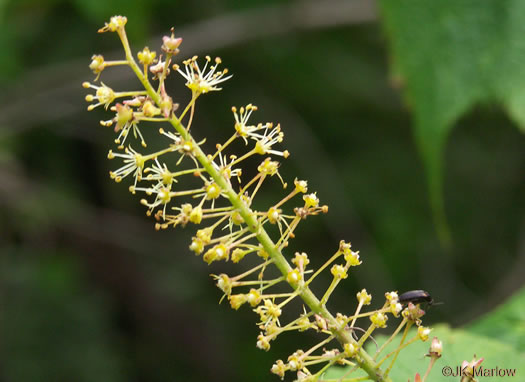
(91, 292)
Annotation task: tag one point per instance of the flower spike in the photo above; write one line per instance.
(208, 191)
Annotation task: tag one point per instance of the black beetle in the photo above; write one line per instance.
(416, 297)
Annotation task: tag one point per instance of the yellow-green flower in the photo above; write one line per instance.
(254, 297)
(423, 333)
(201, 80)
(294, 276)
(350, 350)
(363, 297)
(379, 320)
(236, 300)
(263, 342)
(339, 272)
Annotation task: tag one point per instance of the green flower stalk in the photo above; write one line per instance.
(231, 227)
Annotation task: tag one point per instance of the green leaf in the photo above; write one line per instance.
(507, 323)
(458, 346)
(450, 55)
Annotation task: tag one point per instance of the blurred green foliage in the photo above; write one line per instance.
(450, 56)
(55, 328)
(506, 323)
(92, 292)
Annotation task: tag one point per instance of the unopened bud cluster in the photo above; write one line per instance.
(221, 204)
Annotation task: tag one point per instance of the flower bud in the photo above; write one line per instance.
(196, 215)
(413, 312)
(254, 297)
(150, 110)
(197, 246)
(167, 106)
(352, 258)
(279, 368)
(311, 200)
(170, 44)
(274, 214)
(467, 369)
(392, 297)
(213, 191)
(321, 322)
(296, 361)
(236, 218)
(263, 342)
(294, 277)
(115, 23)
(218, 252)
(261, 252)
(436, 348)
(237, 300)
(205, 234)
(97, 64)
(396, 308)
(237, 255)
(301, 185)
(304, 323)
(224, 283)
(301, 260)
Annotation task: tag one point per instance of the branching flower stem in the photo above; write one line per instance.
(396, 332)
(365, 361)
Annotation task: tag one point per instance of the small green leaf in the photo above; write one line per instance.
(449, 56)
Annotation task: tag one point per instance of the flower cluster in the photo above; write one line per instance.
(230, 228)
